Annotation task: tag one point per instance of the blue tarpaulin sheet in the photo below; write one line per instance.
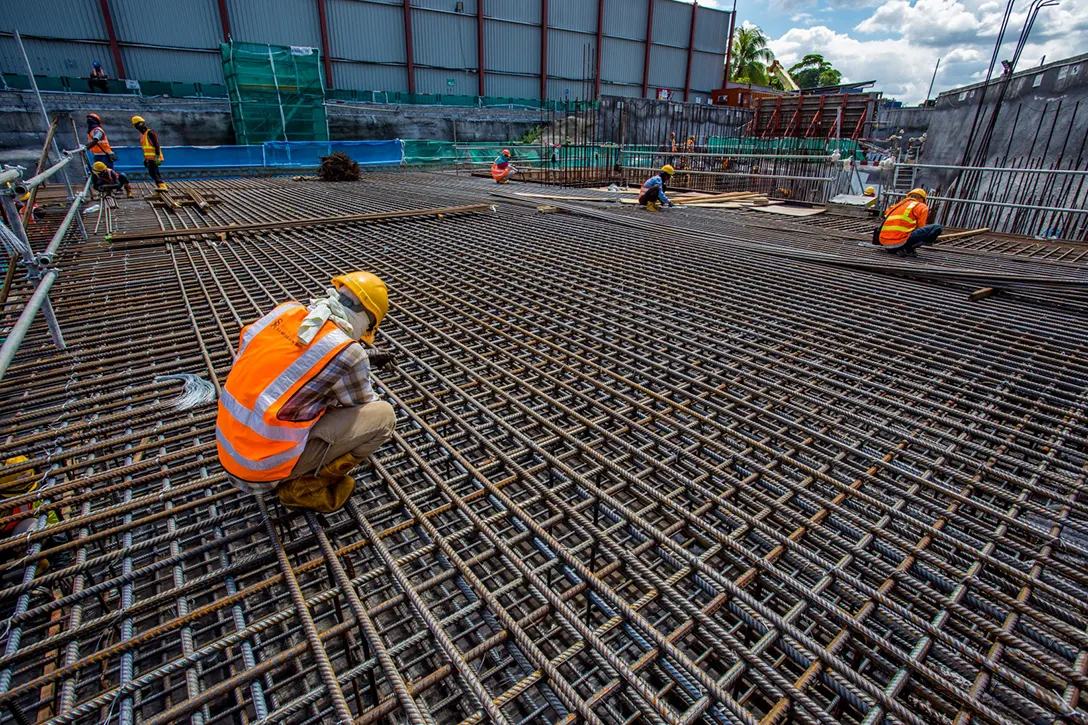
(278, 154)
(178, 158)
(309, 153)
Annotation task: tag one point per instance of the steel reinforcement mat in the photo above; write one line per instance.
(635, 479)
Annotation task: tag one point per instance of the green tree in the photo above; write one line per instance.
(814, 71)
(750, 56)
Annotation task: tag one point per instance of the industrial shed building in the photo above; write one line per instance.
(516, 48)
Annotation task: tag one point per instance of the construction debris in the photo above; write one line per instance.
(338, 166)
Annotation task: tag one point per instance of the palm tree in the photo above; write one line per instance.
(750, 56)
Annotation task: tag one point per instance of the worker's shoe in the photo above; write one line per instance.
(653, 206)
(341, 466)
(128, 192)
(316, 493)
(161, 186)
(501, 181)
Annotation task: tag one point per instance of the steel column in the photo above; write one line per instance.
(114, 47)
(691, 51)
(543, 50)
(649, 42)
(480, 85)
(224, 19)
(408, 50)
(600, 41)
(323, 21)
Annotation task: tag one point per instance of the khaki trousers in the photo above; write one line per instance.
(360, 431)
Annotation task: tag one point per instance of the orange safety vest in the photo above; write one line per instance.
(500, 172)
(253, 443)
(149, 149)
(100, 147)
(901, 220)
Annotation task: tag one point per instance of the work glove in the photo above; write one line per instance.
(380, 359)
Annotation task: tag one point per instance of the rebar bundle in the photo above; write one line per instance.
(636, 477)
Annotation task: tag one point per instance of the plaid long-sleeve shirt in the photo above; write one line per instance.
(344, 382)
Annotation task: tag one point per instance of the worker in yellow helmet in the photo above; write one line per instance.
(652, 194)
(149, 141)
(106, 180)
(905, 229)
(298, 412)
(870, 191)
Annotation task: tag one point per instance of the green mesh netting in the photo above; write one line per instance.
(423, 151)
(276, 92)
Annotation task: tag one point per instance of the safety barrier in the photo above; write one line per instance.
(269, 155)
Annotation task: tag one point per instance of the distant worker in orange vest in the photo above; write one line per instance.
(501, 168)
(904, 228)
(98, 79)
(298, 412)
(97, 143)
(149, 141)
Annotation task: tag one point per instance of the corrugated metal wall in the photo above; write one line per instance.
(179, 42)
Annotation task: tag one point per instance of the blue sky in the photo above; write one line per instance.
(897, 42)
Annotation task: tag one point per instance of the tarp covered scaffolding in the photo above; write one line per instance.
(277, 92)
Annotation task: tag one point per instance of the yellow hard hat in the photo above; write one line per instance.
(371, 292)
(25, 197)
(668, 169)
(870, 191)
(138, 119)
(99, 167)
(918, 192)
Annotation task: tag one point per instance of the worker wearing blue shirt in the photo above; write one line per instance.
(652, 194)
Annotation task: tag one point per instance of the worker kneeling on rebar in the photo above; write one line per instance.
(298, 412)
(652, 194)
(905, 228)
(105, 180)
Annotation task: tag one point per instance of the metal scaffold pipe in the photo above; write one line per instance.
(42, 177)
(22, 325)
(50, 252)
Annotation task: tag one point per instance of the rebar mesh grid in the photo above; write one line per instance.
(634, 479)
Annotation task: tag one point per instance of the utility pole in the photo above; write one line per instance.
(931, 80)
(729, 44)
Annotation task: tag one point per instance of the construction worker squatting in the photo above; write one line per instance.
(501, 168)
(904, 228)
(652, 194)
(298, 412)
(149, 141)
(105, 180)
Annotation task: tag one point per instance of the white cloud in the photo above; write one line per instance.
(802, 18)
(898, 44)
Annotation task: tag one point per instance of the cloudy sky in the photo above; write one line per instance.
(897, 42)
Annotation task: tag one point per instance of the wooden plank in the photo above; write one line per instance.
(969, 232)
(789, 210)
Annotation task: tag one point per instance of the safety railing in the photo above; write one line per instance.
(814, 177)
(1021, 199)
(40, 269)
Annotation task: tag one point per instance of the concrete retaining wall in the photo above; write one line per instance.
(206, 122)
